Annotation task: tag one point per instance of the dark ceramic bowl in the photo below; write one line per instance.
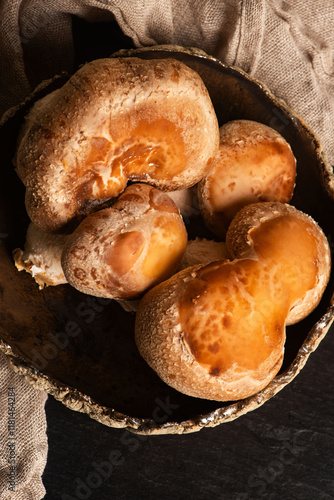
(81, 349)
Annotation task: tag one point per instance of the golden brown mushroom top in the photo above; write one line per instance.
(115, 120)
(254, 163)
(120, 252)
(218, 331)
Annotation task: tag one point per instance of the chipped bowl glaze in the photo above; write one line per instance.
(81, 349)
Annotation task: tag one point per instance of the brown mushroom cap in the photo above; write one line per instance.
(199, 338)
(254, 163)
(218, 331)
(115, 120)
(291, 236)
(122, 251)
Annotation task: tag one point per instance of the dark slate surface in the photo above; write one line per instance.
(283, 450)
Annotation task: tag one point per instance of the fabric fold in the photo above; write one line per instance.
(22, 436)
(251, 35)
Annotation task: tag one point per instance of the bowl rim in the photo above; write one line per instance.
(78, 401)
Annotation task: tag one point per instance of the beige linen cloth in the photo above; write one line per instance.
(286, 44)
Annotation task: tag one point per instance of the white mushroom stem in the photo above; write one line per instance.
(41, 256)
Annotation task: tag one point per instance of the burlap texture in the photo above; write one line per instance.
(22, 437)
(287, 45)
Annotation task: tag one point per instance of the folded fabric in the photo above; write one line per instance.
(22, 437)
(289, 46)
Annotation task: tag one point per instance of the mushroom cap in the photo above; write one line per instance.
(120, 252)
(197, 346)
(217, 331)
(240, 244)
(115, 120)
(254, 163)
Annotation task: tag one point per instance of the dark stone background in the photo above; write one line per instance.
(283, 450)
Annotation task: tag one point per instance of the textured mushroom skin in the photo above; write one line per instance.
(254, 164)
(240, 244)
(122, 251)
(115, 120)
(218, 331)
(165, 345)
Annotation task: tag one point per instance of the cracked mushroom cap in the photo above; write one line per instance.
(254, 164)
(218, 331)
(115, 120)
(120, 252)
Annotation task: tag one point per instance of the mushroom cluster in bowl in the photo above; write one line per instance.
(237, 292)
